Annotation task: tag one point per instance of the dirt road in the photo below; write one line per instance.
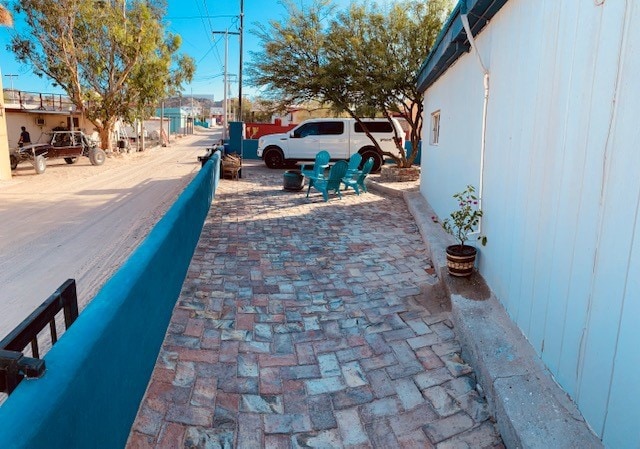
(80, 221)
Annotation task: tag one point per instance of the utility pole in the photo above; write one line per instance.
(226, 70)
(240, 70)
(240, 78)
(13, 92)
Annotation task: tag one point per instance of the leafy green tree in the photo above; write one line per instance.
(363, 60)
(113, 58)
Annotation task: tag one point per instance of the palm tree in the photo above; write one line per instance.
(5, 17)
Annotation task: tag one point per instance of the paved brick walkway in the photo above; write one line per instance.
(304, 324)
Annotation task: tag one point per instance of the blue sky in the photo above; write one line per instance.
(194, 21)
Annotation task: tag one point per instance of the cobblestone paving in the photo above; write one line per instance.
(302, 324)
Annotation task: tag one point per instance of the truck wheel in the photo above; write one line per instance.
(377, 159)
(40, 164)
(14, 162)
(273, 157)
(71, 160)
(97, 156)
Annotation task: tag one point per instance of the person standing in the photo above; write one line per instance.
(25, 137)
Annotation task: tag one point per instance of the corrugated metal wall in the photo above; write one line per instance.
(562, 189)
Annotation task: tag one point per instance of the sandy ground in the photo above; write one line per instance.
(80, 221)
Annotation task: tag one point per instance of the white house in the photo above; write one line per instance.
(40, 114)
(540, 111)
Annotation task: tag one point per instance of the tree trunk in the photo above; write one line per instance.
(105, 138)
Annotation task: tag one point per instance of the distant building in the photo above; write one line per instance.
(178, 118)
(40, 113)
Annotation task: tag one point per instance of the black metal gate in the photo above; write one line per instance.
(14, 365)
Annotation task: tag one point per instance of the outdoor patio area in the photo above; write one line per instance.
(304, 323)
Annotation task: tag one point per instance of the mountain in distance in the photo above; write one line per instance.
(198, 101)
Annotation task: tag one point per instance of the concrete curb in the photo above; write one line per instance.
(530, 408)
(388, 191)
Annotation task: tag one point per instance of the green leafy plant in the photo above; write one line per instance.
(465, 219)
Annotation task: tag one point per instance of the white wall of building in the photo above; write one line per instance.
(5, 165)
(39, 133)
(458, 97)
(561, 192)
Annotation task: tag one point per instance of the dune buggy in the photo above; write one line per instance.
(69, 145)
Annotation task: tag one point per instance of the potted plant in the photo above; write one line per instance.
(462, 222)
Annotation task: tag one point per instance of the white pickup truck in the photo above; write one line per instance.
(341, 137)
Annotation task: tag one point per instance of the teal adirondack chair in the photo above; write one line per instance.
(317, 170)
(354, 164)
(356, 180)
(332, 182)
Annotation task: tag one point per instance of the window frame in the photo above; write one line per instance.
(378, 127)
(331, 128)
(434, 133)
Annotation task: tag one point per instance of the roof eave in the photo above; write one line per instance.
(452, 40)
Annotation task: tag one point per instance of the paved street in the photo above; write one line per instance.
(82, 221)
(310, 324)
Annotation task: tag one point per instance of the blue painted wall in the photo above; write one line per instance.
(176, 116)
(407, 147)
(250, 150)
(98, 371)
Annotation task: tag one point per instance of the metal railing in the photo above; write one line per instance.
(38, 101)
(14, 365)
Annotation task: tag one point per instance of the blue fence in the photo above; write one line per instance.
(250, 149)
(98, 371)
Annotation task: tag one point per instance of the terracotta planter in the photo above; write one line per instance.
(461, 260)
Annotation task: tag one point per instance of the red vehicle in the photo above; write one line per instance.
(69, 145)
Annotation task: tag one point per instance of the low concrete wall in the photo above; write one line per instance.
(531, 410)
(98, 371)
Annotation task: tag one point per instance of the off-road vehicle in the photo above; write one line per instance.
(69, 145)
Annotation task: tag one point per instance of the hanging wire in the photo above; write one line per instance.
(204, 24)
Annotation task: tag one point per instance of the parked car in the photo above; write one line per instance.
(341, 137)
(69, 145)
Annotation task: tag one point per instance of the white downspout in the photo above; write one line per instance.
(467, 29)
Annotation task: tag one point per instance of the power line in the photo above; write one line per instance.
(200, 17)
(216, 49)
(205, 55)
(206, 9)
(209, 77)
(204, 24)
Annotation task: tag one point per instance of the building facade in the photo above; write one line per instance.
(540, 111)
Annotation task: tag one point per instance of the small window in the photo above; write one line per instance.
(375, 127)
(435, 128)
(331, 128)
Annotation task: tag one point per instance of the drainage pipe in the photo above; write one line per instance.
(467, 29)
